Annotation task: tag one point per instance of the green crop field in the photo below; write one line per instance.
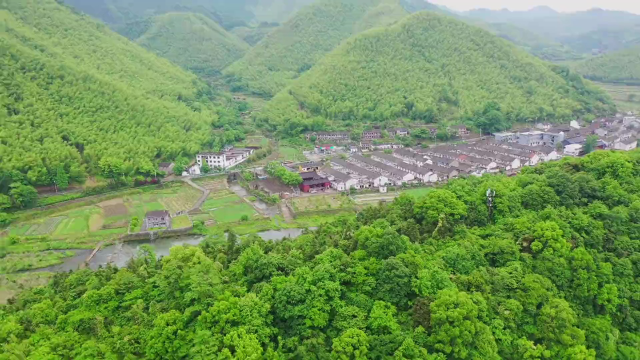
(626, 97)
(321, 202)
(180, 222)
(233, 213)
(290, 154)
(418, 192)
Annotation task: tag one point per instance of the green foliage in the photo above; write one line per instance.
(431, 68)
(23, 196)
(205, 168)
(538, 282)
(89, 95)
(303, 40)
(536, 45)
(192, 41)
(275, 169)
(622, 66)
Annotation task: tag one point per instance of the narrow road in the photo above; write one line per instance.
(284, 209)
(202, 199)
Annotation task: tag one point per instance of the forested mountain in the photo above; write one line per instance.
(431, 68)
(550, 272)
(230, 13)
(534, 44)
(299, 43)
(554, 25)
(605, 40)
(584, 32)
(277, 11)
(253, 35)
(74, 93)
(622, 66)
(190, 40)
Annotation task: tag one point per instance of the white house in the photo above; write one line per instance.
(224, 159)
(340, 181)
(574, 124)
(625, 145)
(573, 150)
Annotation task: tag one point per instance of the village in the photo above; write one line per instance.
(338, 164)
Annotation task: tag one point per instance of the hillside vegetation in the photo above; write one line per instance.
(230, 13)
(536, 45)
(299, 43)
(253, 35)
(551, 273)
(605, 40)
(622, 66)
(583, 32)
(192, 41)
(431, 68)
(74, 93)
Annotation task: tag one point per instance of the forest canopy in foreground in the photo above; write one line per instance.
(75, 92)
(551, 274)
(430, 68)
(299, 43)
(622, 67)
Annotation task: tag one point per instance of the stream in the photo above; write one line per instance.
(120, 254)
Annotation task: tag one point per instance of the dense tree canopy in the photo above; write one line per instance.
(74, 92)
(532, 281)
(430, 68)
(192, 41)
(299, 43)
(621, 66)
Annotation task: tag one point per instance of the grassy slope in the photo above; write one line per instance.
(78, 85)
(622, 66)
(299, 43)
(193, 41)
(428, 62)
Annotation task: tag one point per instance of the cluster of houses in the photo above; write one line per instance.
(505, 152)
(370, 139)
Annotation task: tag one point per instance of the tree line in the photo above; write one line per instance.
(548, 271)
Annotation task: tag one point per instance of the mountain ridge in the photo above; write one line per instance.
(429, 67)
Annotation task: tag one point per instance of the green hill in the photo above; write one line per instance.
(192, 41)
(253, 35)
(605, 40)
(299, 43)
(431, 67)
(534, 44)
(74, 92)
(621, 67)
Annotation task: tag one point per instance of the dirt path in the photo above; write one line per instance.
(286, 213)
(202, 199)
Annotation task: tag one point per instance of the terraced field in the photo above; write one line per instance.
(322, 202)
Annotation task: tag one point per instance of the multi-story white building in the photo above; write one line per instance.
(224, 159)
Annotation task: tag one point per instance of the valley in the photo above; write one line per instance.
(318, 179)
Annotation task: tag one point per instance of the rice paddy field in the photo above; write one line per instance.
(321, 203)
(290, 154)
(109, 218)
(224, 206)
(626, 97)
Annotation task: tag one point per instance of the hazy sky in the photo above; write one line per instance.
(559, 5)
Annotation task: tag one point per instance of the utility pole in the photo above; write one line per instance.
(491, 194)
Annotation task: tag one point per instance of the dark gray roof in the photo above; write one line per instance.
(157, 213)
(337, 174)
(356, 169)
